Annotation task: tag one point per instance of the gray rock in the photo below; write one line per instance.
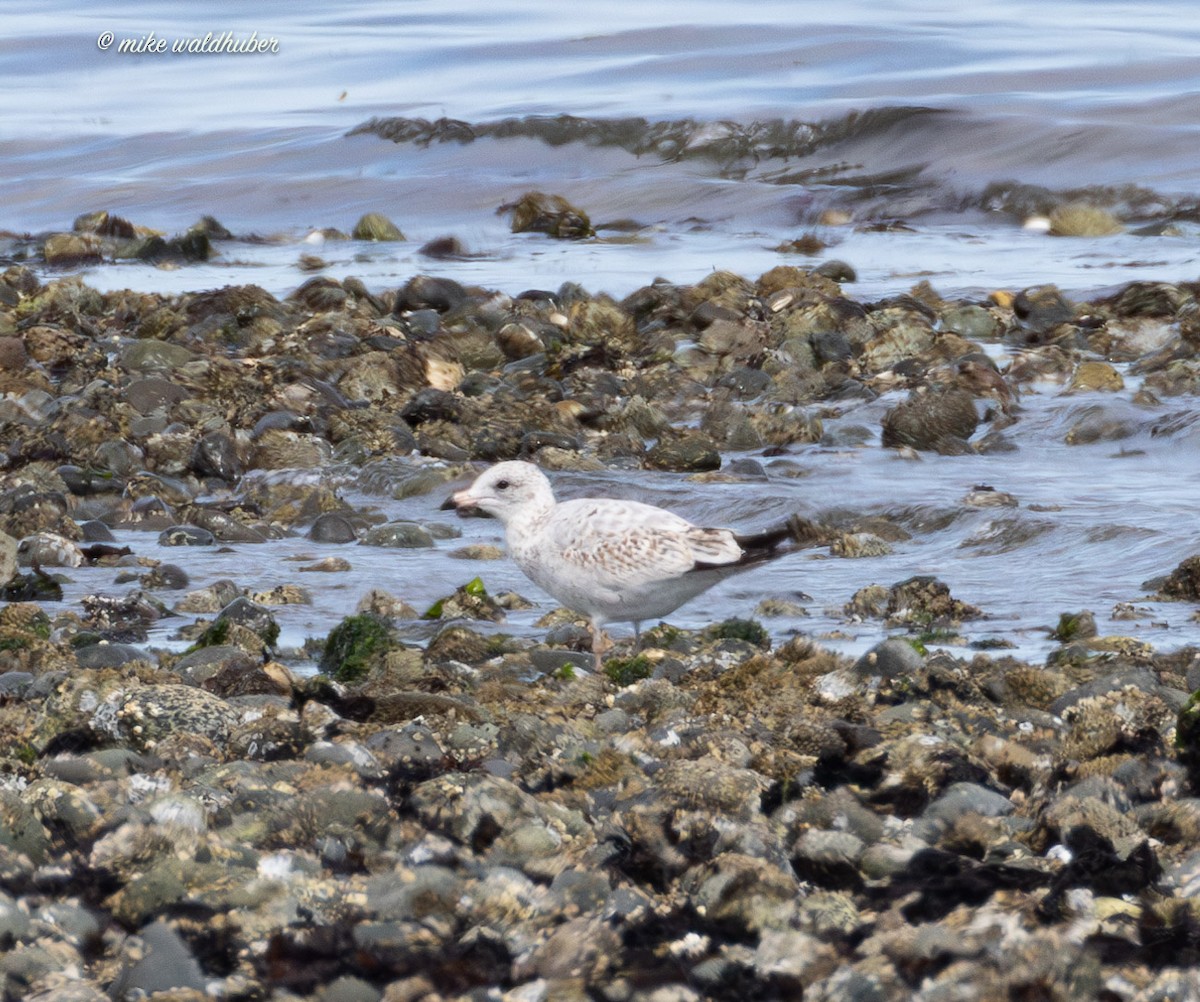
(332, 527)
(150, 713)
(349, 753)
(106, 655)
(1139, 678)
(549, 660)
(412, 895)
(890, 658)
(349, 989)
(14, 922)
(251, 615)
(95, 531)
(959, 800)
(161, 962)
(215, 455)
(199, 665)
(411, 748)
(186, 535)
(398, 535)
(72, 922)
(829, 849)
(15, 683)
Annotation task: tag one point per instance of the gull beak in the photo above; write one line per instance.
(464, 504)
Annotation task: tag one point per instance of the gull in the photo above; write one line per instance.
(612, 560)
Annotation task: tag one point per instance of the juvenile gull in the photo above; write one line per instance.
(612, 560)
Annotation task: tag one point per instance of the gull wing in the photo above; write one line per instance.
(625, 544)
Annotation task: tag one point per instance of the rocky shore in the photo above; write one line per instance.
(481, 817)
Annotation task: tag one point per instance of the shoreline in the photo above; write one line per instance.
(479, 816)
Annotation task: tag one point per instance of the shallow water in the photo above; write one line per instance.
(1093, 523)
(1071, 95)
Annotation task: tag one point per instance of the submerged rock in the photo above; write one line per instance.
(935, 421)
(550, 214)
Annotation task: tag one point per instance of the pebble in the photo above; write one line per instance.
(486, 817)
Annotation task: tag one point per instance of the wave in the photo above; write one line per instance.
(897, 162)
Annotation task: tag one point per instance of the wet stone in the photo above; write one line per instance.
(186, 535)
(940, 422)
(691, 453)
(106, 655)
(398, 535)
(332, 527)
(165, 577)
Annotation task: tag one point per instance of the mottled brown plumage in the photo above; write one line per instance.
(613, 560)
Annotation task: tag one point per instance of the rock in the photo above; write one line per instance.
(686, 454)
(216, 455)
(376, 226)
(398, 535)
(69, 250)
(890, 658)
(938, 422)
(106, 655)
(8, 558)
(1183, 582)
(148, 355)
(535, 212)
(186, 535)
(1078, 219)
(47, 549)
(154, 393)
(1042, 308)
(959, 800)
(250, 615)
(332, 527)
(425, 292)
(160, 962)
(925, 599)
(1096, 376)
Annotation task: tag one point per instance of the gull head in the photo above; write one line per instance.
(505, 491)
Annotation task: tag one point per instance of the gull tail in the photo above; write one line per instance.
(798, 530)
(767, 544)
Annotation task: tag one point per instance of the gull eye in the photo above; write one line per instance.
(501, 485)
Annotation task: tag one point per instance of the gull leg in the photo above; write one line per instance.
(601, 644)
(637, 636)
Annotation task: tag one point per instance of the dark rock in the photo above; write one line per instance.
(687, 454)
(1041, 308)
(426, 292)
(96, 531)
(215, 455)
(106, 655)
(937, 421)
(332, 527)
(535, 212)
(1183, 582)
(186, 535)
